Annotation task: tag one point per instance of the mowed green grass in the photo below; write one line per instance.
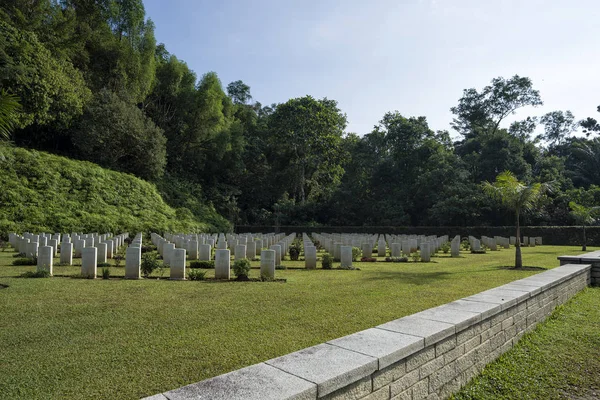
(74, 338)
(560, 359)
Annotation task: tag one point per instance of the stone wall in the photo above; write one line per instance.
(428, 355)
(592, 259)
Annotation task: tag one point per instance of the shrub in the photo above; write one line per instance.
(149, 263)
(118, 259)
(416, 256)
(465, 244)
(482, 251)
(148, 249)
(103, 265)
(3, 245)
(356, 252)
(24, 261)
(21, 255)
(399, 259)
(445, 247)
(36, 274)
(202, 264)
(241, 267)
(196, 275)
(295, 250)
(368, 259)
(105, 273)
(327, 261)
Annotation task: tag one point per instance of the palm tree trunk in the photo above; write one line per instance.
(518, 258)
(584, 247)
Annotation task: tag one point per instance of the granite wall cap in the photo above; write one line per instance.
(461, 319)
(256, 382)
(486, 309)
(387, 346)
(430, 331)
(330, 367)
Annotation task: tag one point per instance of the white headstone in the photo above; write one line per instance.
(267, 263)
(346, 256)
(222, 264)
(66, 253)
(133, 262)
(310, 257)
(89, 262)
(177, 267)
(45, 258)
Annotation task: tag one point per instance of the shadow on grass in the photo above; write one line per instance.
(525, 268)
(3, 286)
(415, 278)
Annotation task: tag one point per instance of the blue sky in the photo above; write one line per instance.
(414, 56)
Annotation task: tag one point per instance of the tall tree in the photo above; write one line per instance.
(517, 197)
(483, 111)
(584, 216)
(558, 125)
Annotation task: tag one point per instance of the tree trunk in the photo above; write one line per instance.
(584, 247)
(518, 259)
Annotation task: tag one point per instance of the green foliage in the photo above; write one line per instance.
(465, 245)
(356, 252)
(203, 264)
(149, 263)
(445, 247)
(50, 88)
(327, 261)
(295, 250)
(117, 135)
(36, 274)
(106, 273)
(416, 256)
(46, 193)
(196, 275)
(24, 261)
(241, 267)
(9, 106)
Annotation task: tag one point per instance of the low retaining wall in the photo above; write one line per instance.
(592, 259)
(430, 354)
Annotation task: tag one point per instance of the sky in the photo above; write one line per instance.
(413, 56)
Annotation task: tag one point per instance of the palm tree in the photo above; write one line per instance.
(584, 216)
(517, 197)
(9, 105)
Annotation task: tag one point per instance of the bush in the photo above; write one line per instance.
(196, 275)
(241, 267)
(445, 247)
(36, 274)
(202, 264)
(148, 249)
(105, 273)
(24, 261)
(416, 256)
(356, 252)
(465, 244)
(117, 259)
(482, 251)
(295, 250)
(149, 263)
(396, 259)
(103, 265)
(327, 261)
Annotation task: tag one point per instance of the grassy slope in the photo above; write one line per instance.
(73, 338)
(44, 192)
(560, 359)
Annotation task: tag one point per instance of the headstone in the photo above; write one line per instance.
(277, 249)
(178, 265)
(192, 249)
(32, 249)
(532, 241)
(204, 252)
(250, 249)
(525, 241)
(101, 252)
(396, 249)
(45, 258)
(455, 247)
(54, 244)
(476, 245)
(89, 262)
(222, 264)
(66, 253)
(133, 262)
(267, 263)
(310, 257)
(168, 249)
(381, 248)
(425, 252)
(240, 251)
(110, 246)
(367, 250)
(346, 256)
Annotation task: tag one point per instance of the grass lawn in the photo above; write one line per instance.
(560, 359)
(74, 338)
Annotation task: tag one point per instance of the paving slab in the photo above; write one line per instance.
(387, 346)
(486, 309)
(330, 367)
(461, 319)
(257, 382)
(430, 331)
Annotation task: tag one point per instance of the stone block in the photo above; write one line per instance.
(310, 257)
(133, 262)
(387, 346)
(177, 267)
(421, 358)
(45, 259)
(267, 263)
(222, 264)
(354, 391)
(387, 375)
(66, 253)
(89, 262)
(430, 331)
(461, 319)
(257, 382)
(404, 383)
(330, 367)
